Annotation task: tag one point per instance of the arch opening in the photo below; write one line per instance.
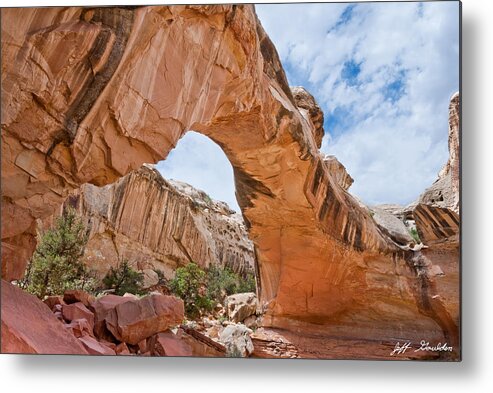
(200, 162)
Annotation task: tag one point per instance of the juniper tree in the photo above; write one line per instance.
(56, 264)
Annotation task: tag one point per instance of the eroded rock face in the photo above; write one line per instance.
(437, 216)
(310, 110)
(437, 209)
(392, 226)
(452, 167)
(158, 224)
(338, 172)
(90, 94)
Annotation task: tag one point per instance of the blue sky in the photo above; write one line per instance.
(383, 74)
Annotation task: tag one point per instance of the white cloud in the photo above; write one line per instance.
(197, 160)
(392, 141)
(393, 148)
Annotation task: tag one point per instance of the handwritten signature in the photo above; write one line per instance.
(424, 346)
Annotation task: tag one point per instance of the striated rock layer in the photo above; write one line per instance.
(158, 224)
(437, 217)
(90, 94)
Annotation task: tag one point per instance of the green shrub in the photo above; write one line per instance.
(190, 284)
(247, 283)
(56, 264)
(201, 290)
(123, 279)
(221, 283)
(414, 234)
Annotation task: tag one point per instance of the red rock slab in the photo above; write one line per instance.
(168, 344)
(74, 311)
(137, 320)
(28, 326)
(143, 347)
(202, 345)
(80, 327)
(77, 295)
(101, 307)
(52, 301)
(94, 347)
(122, 349)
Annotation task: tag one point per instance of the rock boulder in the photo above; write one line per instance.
(237, 340)
(241, 306)
(95, 347)
(136, 320)
(74, 311)
(28, 326)
(77, 295)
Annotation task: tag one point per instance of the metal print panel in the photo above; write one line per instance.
(264, 181)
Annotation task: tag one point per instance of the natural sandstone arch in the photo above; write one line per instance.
(90, 94)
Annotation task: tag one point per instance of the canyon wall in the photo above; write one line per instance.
(90, 94)
(159, 224)
(437, 217)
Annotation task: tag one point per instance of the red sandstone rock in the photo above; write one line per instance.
(168, 344)
(311, 112)
(102, 307)
(72, 312)
(338, 172)
(136, 320)
(76, 295)
(143, 347)
(52, 301)
(94, 347)
(28, 326)
(122, 349)
(80, 327)
(201, 345)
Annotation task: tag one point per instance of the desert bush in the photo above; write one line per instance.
(414, 234)
(222, 282)
(247, 283)
(123, 279)
(201, 290)
(190, 284)
(56, 264)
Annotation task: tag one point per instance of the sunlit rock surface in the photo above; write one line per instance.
(158, 224)
(90, 94)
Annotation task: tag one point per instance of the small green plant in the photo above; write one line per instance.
(414, 234)
(222, 282)
(201, 290)
(56, 265)
(247, 283)
(190, 284)
(123, 279)
(221, 319)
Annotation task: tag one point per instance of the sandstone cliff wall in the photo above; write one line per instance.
(158, 224)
